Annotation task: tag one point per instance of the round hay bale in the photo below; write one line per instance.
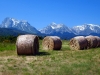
(78, 43)
(92, 41)
(98, 41)
(52, 43)
(27, 45)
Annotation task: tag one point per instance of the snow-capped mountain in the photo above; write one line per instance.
(65, 32)
(18, 24)
(52, 29)
(58, 30)
(86, 29)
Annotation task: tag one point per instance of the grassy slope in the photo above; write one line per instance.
(64, 62)
(11, 31)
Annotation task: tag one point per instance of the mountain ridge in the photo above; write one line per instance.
(18, 24)
(52, 29)
(86, 29)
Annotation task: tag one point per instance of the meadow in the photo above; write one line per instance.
(62, 62)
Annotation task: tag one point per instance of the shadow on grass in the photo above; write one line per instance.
(38, 54)
(43, 54)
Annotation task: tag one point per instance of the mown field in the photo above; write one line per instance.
(63, 62)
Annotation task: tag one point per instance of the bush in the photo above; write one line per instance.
(8, 39)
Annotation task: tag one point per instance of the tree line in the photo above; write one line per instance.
(11, 39)
(8, 39)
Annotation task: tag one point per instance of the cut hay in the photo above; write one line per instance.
(78, 43)
(92, 41)
(52, 43)
(27, 45)
(98, 41)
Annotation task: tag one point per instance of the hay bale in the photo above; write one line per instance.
(92, 41)
(27, 45)
(78, 43)
(52, 43)
(98, 41)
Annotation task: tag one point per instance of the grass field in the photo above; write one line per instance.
(63, 62)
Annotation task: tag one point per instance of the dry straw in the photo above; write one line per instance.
(98, 41)
(78, 43)
(52, 43)
(27, 45)
(92, 41)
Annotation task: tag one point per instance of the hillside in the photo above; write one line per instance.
(10, 31)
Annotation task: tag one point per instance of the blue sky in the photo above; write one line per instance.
(40, 13)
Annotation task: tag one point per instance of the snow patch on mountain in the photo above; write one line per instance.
(56, 26)
(15, 22)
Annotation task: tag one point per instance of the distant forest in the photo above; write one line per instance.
(11, 39)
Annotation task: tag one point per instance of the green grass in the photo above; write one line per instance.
(63, 62)
(7, 46)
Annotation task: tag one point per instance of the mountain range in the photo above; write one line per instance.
(15, 26)
(86, 29)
